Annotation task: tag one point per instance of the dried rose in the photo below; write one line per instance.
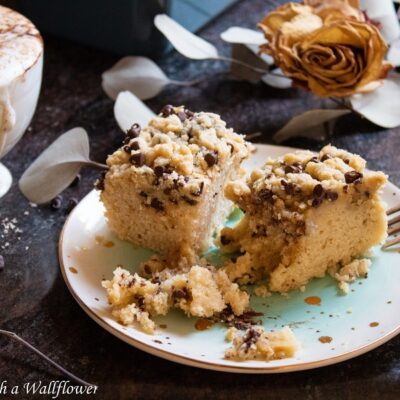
(326, 47)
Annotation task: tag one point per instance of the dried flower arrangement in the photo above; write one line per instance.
(333, 48)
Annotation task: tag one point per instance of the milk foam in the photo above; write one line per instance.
(20, 45)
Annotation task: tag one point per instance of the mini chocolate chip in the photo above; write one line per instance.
(232, 147)
(318, 191)
(225, 240)
(159, 171)
(287, 186)
(265, 194)
(316, 202)
(345, 188)
(189, 113)
(133, 131)
(331, 195)
(211, 159)
(140, 302)
(157, 204)
(353, 177)
(55, 204)
(200, 189)
(135, 145)
(347, 161)
(367, 194)
(127, 149)
(295, 168)
(126, 140)
(143, 194)
(72, 202)
(325, 157)
(137, 159)
(180, 294)
(147, 269)
(189, 200)
(76, 181)
(2, 263)
(167, 110)
(156, 280)
(182, 116)
(314, 159)
(167, 191)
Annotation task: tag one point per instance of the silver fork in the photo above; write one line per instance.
(393, 227)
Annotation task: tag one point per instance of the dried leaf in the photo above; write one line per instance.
(310, 124)
(382, 105)
(56, 167)
(393, 54)
(383, 11)
(264, 57)
(139, 75)
(236, 34)
(128, 109)
(242, 53)
(188, 44)
(280, 82)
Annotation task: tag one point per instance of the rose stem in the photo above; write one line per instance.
(13, 335)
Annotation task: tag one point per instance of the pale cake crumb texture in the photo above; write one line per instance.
(304, 214)
(164, 188)
(200, 291)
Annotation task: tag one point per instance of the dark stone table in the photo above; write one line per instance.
(34, 300)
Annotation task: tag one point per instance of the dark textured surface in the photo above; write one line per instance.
(34, 299)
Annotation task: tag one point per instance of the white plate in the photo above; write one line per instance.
(85, 261)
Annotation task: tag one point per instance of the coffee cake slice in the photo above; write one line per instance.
(304, 215)
(164, 187)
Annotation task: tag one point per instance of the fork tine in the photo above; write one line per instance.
(393, 210)
(394, 229)
(390, 243)
(394, 220)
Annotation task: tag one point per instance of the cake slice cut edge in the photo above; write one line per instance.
(164, 187)
(304, 215)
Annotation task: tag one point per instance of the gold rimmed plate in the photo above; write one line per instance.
(336, 330)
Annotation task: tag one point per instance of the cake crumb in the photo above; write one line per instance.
(258, 344)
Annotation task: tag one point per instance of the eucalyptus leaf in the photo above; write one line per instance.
(264, 57)
(139, 75)
(280, 82)
(55, 169)
(382, 106)
(393, 55)
(311, 124)
(188, 44)
(383, 11)
(129, 109)
(236, 34)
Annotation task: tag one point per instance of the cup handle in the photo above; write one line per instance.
(7, 117)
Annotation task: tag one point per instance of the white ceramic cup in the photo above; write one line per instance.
(21, 64)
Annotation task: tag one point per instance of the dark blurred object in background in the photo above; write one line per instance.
(122, 26)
